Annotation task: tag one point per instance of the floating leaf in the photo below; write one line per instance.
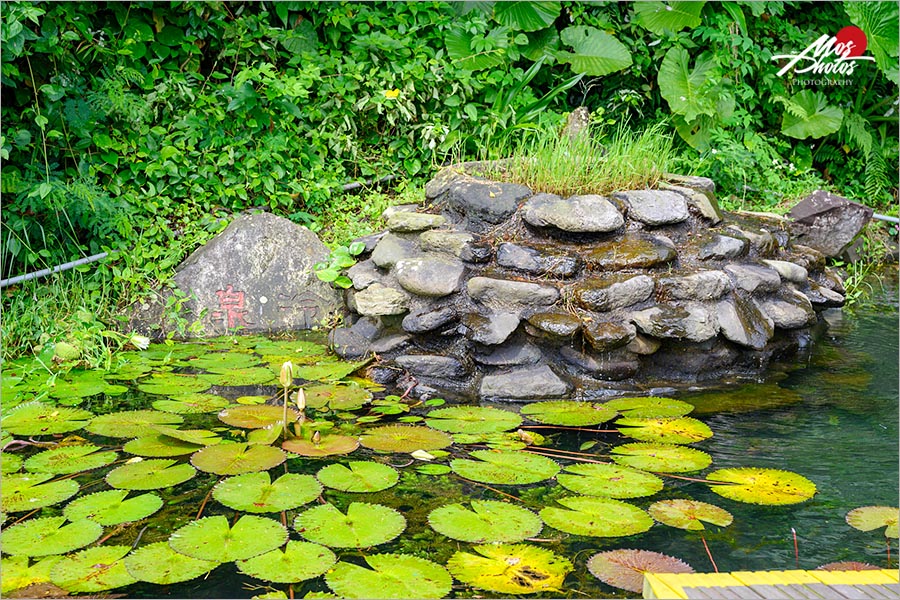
(324, 445)
(661, 458)
(625, 568)
(598, 517)
(17, 574)
(69, 459)
(257, 493)
(210, 538)
(187, 404)
(266, 436)
(336, 396)
(234, 459)
(158, 563)
(219, 361)
(569, 413)
(404, 438)
(867, 518)
(10, 463)
(327, 371)
(251, 399)
(198, 437)
(488, 522)
(364, 525)
(433, 469)
(129, 371)
(689, 514)
(35, 418)
(27, 491)
(292, 348)
(511, 569)
(48, 535)
(298, 561)
(649, 407)
(235, 377)
(390, 576)
(82, 384)
(256, 416)
(762, 486)
(358, 476)
(683, 430)
(93, 570)
(159, 445)
(609, 480)
(170, 384)
(152, 474)
(131, 423)
(506, 467)
(472, 419)
(111, 507)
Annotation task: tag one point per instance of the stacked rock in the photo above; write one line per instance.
(504, 293)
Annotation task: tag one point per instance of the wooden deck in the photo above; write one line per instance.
(775, 585)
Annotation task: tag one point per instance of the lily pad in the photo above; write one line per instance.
(69, 459)
(328, 371)
(235, 459)
(150, 474)
(17, 573)
(487, 522)
(679, 430)
(82, 384)
(689, 514)
(49, 535)
(219, 361)
(661, 458)
(867, 518)
(290, 348)
(614, 481)
(93, 570)
(506, 467)
(324, 445)
(336, 396)
(256, 416)
(159, 446)
(364, 525)
(210, 538)
(649, 407)
(569, 413)
(597, 517)
(36, 418)
(170, 384)
(111, 507)
(472, 419)
(511, 569)
(298, 561)
(129, 371)
(236, 377)
(257, 493)
(358, 476)
(27, 491)
(762, 486)
(189, 404)
(10, 463)
(198, 437)
(404, 438)
(625, 568)
(390, 576)
(158, 563)
(131, 423)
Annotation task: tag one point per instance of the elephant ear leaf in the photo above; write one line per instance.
(879, 21)
(672, 17)
(808, 114)
(527, 16)
(685, 89)
(595, 52)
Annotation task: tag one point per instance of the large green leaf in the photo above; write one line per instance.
(358, 476)
(149, 474)
(404, 438)
(49, 535)
(687, 90)
(511, 569)
(69, 459)
(505, 467)
(879, 21)
(297, 561)
(689, 514)
(472, 419)
(27, 491)
(460, 44)
(807, 114)
(390, 576)
(598, 517)
(761, 486)
(257, 493)
(667, 17)
(867, 518)
(36, 418)
(364, 525)
(131, 423)
(569, 413)
(111, 507)
(158, 563)
(661, 458)
(93, 570)
(210, 538)
(487, 522)
(81, 384)
(609, 480)
(526, 16)
(595, 52)
(235, 459)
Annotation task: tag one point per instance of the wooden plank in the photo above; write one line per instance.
(656, 588)
(851, 591)
(799, 591)
(721, 593)
(855, 577)
(882, 592)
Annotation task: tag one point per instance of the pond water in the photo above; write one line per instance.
(833, 419)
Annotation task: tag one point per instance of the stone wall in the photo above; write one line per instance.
(505, 293)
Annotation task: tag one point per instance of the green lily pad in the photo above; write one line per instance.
(867, 518)
(36, 418)
(326, 445)
(762, 486)
(93, 570)
(433, 469)
(404, 438)
(597, 517)
(257, 493)
(614, 481)
(111, 507)
(10, 463)
(198, 437)
(678, 430)
(219, 361)
(129, 371)
(158, 445)
(472, 419)
(158, 563)
(170, 384)
(27, 491)
(364, 525)
(251, 399)
(336, 396)
(358, 476)
(511, 569)
(17, 573)
(625, 568)
(150, 474)
(327, 371)
(649, 407)
(235, 459)
(266, 436)
(188, 404)
(256, 416)
(235, 377)
(488, 522)
(210, 538)
(506, 467)
(49, 535)
(82, 384)
(390, 576)
(290, 348)
(569, 413)
(689, 514)
(661, 458)
(131, 423)
(69, 459)
(298, 561)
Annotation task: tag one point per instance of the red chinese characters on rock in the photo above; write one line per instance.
(231, 308)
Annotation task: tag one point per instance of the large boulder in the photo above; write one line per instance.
(827, 222)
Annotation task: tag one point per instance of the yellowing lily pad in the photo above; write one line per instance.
(597, 517)
(36, 418)
(511, 569)
(404, 438)
(256, 416)
(614, 481)
(569, 413)
(649, 407)
(358, 476)
(234, 459)
(472, 419)
(337, 396)
(689, 514)
(867, 518)
(505, 467)
(298, 561)
(93, 570)
(27, 491)
(487, 522)
(17, 573)
(364, 525)
(761, 486)
(158, 563)
(131, 423)
(111, 507)
(625, 568)
(257, 493)
(661, 458)
(69, 459)
(679, 430)
(10, 463)
(390, 576)
(323, 445)
(49, 535)
(150, 474)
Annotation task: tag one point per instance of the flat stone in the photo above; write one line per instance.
(821, 297)
(643, 345)
(390, 343)
(703, 285)
(612, 366)
(408, 222)
(828, 222)
(613, 292)
(512, 354)
(431, 274)
(790, 310)
(524, 383)
(553, 325)
(742, 322)
(723, 247)
(429, 365)
(455, 243)
(576, 214)
(691, 322)
(788, 271)
(760, 240)
(491, 202)
(631, 251)
(702, 201)
(355, 341)
(428, 319)
(379, 300)
(443, 179)
(491, 329)
(703, 184)
(503, 293)
(543, 260)
(755, 279)
(655, 207)
(608, 335)
(369, 241)
(392, 248)
(363, 274)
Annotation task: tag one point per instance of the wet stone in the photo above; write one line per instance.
(790, 310)
(429, 365)
(643, 345)
(525, 383)
(827, 222)
(691, 322)
(491, 202)
(378, 300)
(355, 341)
(760, 240)
(703, 184)
(631, 251)
(538, 261)
(788, 270)
(608, 335)
(655, 207)
(432, 275)
(552, 325)
(511, 354)
(723, 247)
(755, 279)
(392, 248)
(455, 243)
(613, 292)
(821, 297)
(742, 322)
(428, 319)
(576, 214)
(704, 285)
(612, 366)
(408, 222)
(513, 294)
(702, 201)
(491, 329)
(390, 343)
(363, 274)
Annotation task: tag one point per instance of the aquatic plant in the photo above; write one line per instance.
(625, 568)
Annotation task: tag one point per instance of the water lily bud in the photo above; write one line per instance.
(316, 437)
(287, 374)
(301, 400)
(141, 342)
(422, 455)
